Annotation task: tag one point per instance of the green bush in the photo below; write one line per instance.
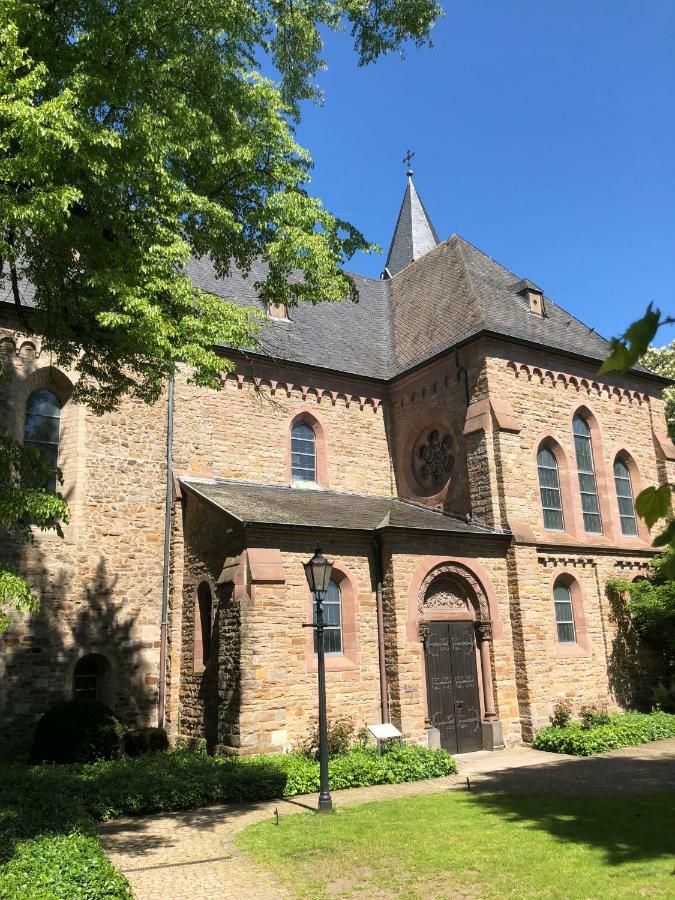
(77, 732)
(623, 730)
(340, 733)
(48, 844)
(139, 739)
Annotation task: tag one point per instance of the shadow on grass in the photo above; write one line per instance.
(623, 805)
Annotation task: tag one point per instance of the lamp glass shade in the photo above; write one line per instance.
(318, 571)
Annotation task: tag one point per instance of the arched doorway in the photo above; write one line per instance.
(454, 624)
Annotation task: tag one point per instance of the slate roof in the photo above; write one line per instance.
(258, 504)
(414, 235)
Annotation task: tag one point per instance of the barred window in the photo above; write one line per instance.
(587, 484)
(303, 452)
(43, 422)
(624, 495)
(549, 490)
(332, 617)
(564, 614)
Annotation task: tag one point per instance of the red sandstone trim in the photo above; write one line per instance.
(304, 414)
(610, 530)
(350, 658)
(583, 646)
(568, 482)
(422, 571)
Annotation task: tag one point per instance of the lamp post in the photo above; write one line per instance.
(317, 572)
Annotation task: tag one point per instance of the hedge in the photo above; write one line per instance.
(48, 844)
(624, 730)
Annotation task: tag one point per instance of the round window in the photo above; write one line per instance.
(433, 460)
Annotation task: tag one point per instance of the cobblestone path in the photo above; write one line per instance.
(192, 854)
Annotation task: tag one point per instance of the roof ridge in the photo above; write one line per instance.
(467, 272)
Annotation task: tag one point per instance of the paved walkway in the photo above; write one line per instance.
(192, 854)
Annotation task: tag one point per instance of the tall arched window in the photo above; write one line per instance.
(332, 617)
(624, 495)
(549, 490)
(587, 484)
(564, 613)
(303, 452)
(43, 420)
(202, 635)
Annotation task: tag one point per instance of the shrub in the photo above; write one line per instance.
(139, 740)
(340, 735)
(593, 715)
(77, 731)
(562, 713)
(623, 730)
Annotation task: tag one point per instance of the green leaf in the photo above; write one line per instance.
(667, 536)
(653, 503)
(634, 343)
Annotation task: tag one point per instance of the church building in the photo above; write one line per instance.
(446, 441)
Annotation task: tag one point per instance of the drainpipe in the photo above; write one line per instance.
(384, 689)
(161, 712)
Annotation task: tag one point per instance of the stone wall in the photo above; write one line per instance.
(99, 586)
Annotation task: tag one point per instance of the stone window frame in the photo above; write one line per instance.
(427, 419)
(602, 485)
(317, 426)
(72, 443)
(107, 694)
(199, 663)
(582, 645)
(548, 440)
(637, 485)
(350, 658)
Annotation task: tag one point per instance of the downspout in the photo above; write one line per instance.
(167, 558)
(384, 688)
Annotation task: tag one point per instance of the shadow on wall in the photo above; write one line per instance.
(39, 654)
(633, 668)
(220, 685)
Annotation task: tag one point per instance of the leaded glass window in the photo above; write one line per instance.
(587, 484)
(549, 490)
(43, 420)
(303, 452)
(624, 495)
(564, 614)
(332, 618)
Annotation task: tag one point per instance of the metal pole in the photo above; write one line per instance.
(325, 801)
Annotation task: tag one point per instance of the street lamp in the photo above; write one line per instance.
(317, 572)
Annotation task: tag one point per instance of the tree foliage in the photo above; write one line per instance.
(135, 134)
(634, 346)
(662, 361)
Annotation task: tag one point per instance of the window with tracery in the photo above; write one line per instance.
(41, 430)
(588, 487)
(303, 452)
(549, 490)
(624, 496)
(433, 460)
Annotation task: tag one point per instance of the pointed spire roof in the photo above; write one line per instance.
(414, 234)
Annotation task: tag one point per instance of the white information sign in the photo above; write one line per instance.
(384, 732)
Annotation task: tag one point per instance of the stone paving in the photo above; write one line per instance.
(192, 854)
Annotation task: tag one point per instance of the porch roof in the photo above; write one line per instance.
(259, 504)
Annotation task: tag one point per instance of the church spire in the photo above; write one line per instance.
(414, 234)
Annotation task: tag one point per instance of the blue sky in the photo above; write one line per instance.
(544, 133)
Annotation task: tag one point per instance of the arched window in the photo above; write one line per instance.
(549, 490)
(564, 613)
(587, 483)
(624, 495)
(43, 419)
(202, 635)
(303, 452)
(91, 679)
(332, 617)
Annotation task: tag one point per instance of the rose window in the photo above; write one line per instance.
(433, 460)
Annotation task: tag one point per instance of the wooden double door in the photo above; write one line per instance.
(452, 685)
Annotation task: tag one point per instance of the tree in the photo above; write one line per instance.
(662, 361)
(136, 133)
(653, 503)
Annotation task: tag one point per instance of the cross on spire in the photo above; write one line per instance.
(407, 159)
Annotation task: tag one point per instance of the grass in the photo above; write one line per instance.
(49, 847)
(475, 845)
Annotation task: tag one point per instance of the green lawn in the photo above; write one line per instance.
(475, 845)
